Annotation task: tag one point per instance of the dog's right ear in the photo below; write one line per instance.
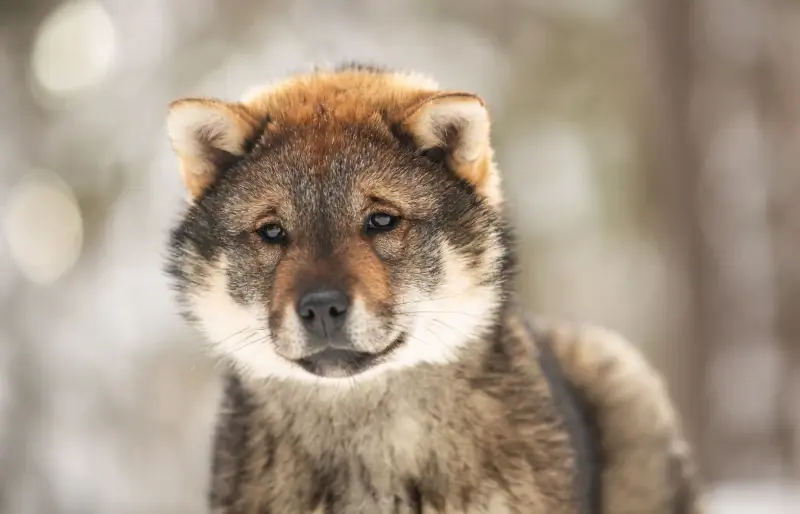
(207, 135)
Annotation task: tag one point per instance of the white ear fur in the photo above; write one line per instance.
(204, 134)
(435, 120)
(460, 124)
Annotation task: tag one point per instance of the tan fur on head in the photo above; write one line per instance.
(206, 133)
(349, 97)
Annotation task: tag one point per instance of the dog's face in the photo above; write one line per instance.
(341, 224)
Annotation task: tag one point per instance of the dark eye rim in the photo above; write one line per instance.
(370, 227)
(263, 233)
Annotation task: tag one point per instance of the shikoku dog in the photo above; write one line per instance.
(345, 252)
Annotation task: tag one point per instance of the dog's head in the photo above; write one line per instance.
(340, 224)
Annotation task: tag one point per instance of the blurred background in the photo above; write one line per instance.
(651, 152)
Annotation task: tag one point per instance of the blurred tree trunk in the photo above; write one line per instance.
(735, 238)
(782, 98)
(672, 160)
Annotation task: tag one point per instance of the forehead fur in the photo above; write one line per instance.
(349, 95)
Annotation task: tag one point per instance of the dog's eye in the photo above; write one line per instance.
(380, 222)
(272, 233)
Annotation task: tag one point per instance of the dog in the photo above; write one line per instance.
(344, 251)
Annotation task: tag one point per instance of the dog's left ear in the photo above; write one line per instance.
(458, 124)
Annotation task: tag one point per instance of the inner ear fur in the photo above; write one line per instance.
(208, 135)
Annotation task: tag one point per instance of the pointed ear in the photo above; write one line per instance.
(458, 125)
(207, 135)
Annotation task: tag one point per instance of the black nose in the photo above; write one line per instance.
(324, 312)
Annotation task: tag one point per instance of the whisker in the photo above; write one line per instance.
(438, 312)
(412, 336)
(251, 339)
(447, 297)
(446, 326)
(204, 347)
(457, 330)
(238, 332)
(248, 344)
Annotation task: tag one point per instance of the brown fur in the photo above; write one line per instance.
(304, 100)
(369, 276)
(324, 101)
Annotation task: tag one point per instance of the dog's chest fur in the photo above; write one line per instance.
(480, 437)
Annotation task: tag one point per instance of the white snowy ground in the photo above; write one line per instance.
(756, 498)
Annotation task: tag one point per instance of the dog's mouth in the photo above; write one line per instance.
(338, 363)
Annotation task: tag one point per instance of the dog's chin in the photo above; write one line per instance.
(338, 363)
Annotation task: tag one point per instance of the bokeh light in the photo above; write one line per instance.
(43, 227)
(74, 48)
